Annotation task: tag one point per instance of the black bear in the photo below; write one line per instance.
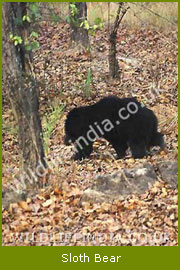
(122, 122)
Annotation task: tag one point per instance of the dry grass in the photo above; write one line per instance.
(168, 13)
(137, 15)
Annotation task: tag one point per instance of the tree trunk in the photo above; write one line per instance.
(22, 89)
(79, 35)
(114, 71)
(113, 63)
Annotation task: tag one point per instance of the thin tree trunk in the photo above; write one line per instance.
(113, 63)
(114, 71)
(22, 89)
(79, 35)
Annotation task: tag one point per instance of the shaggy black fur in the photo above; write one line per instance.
(122, 122)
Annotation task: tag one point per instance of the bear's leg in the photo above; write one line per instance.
(157, 140)
(120, 148)
(138, 149)
(84, 152)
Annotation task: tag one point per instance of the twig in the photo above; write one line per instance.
(118, 18)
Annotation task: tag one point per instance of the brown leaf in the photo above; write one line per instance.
(75, 192)
(24, 206)
(48, 203)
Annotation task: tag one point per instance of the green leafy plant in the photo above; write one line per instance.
(49, 122)
(54, 18)
(67, 19)
(34, 13)
(74, 10)
(87, 90)
(85, 25)
(98, 25)
(26, 18)
(32, 43)
(30, 46)
(16, 39)
(34, 34)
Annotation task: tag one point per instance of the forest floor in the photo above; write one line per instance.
(148, 59)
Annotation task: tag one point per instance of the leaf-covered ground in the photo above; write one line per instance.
(56, 215)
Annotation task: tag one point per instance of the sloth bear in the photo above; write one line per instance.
(123, 122)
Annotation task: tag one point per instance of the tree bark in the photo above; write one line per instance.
(114, 71)
(113, 63)
(79, 35)
(22, 89)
